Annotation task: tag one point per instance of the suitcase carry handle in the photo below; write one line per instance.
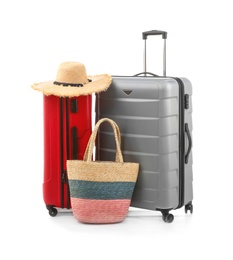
(164, 36)
(143, 73)
(186, 127)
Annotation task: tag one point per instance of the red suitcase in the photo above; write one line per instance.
(67, 128)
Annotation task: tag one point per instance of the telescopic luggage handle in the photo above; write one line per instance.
(164, 36)
(154, 32)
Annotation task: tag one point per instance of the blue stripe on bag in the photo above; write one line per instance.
(101, 190)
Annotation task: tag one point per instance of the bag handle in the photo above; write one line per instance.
(119, 140)
(90, 146)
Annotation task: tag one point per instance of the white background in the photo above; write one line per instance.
(36, 36)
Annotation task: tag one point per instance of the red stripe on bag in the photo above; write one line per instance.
(100, 211)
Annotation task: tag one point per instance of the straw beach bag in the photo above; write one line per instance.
(101, 191)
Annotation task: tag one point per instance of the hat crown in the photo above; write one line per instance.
(72, 72)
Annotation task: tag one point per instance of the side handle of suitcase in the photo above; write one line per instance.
(189, 143)
(164, 36)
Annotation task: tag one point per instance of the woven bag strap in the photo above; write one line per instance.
(119, 140)
(91, 143)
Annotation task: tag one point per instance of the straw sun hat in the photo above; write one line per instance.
(72, 81)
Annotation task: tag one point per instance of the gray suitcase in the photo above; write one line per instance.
(155, 118)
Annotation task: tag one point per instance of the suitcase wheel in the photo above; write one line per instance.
(189, 207)
(52, 211)
(168, 218)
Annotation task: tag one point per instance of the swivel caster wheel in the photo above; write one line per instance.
(52, 211)
(168, 218)
(189, 207)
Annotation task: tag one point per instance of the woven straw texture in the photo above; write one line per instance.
(101, 192)
(74, 73)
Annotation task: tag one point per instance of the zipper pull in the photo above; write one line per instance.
(64, 176)
(74, 105)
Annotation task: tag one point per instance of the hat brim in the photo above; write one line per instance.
(98, 83)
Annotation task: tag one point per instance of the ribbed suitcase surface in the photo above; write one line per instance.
(151, 118)
(67, 128)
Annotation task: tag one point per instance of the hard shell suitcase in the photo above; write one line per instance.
(155, 118)
(67, 128)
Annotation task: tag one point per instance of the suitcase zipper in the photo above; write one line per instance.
(64, 184)
(61, 153)
(181, 142)
(68, 206)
